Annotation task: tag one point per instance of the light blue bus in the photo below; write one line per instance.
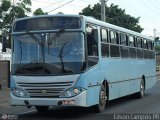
(74, 60)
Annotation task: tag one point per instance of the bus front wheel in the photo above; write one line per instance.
(102, 100)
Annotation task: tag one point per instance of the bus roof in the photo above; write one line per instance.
(94, 21)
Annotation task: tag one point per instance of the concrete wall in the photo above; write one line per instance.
(4, 73)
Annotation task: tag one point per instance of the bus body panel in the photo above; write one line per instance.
(94, 84)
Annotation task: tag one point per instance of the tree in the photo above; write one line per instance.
(9, 12)
(114, 15)
(39, 11)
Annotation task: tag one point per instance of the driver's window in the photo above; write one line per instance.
(92, 45)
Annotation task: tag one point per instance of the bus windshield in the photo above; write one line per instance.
(51, 53)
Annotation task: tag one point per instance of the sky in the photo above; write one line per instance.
(147, 10)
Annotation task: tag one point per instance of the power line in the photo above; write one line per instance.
(60, 6)
(87, 2)
(51, 4)
(46, 2)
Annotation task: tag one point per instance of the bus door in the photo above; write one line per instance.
(93, 67)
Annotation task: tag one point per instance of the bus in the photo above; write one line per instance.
(74, 60)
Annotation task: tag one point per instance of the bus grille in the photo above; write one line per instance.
(45, 90)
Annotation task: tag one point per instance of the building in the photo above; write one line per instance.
(5, 56)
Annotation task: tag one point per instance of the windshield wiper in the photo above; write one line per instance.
(33, 37)
(55, 37)
(61, 57)
(41, 43)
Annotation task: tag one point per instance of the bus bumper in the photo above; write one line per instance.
(79, 100)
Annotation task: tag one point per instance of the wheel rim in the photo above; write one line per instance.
(102, 98)
(142, 88)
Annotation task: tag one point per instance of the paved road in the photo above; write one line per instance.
(149, 104)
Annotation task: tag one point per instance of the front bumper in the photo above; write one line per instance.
(79, 100)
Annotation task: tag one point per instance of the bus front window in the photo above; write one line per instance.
(48, 53)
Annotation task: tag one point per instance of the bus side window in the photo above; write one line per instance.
(139, 43)
(145, 44)
(142, 43)
(112, 37)
(132, 43)
(152, 45)
(145, 52)
(104, 43)
(92, 44)
(114, 47)
(123, 39)
(139, 51)
(149, 45)
(104, 35)
(124, 49)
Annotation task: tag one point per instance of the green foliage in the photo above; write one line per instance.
(5, 5)
(39, 11)
(114, 15)
(9, 12)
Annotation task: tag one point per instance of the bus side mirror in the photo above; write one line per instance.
(95, 36)
(4, 44)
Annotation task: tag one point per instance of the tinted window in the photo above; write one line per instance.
(117, 38)
(139, 43)
(142, 43)
(123, 39)
(132, 52)
(145, 44)
(151, 55)
(149, 45)
(139, 53)
(114, 51)
(145, 52)
(152, 45)
(47, 23)
(104, 35)
(131, 41)
(124, 52)
(105, 50)
(92, 46)
(113, 37)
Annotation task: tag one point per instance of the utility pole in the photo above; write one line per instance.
(103, 12)
(154, 32)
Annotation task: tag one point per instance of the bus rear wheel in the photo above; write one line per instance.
(102, 100)
(140, 94)
(42, 108)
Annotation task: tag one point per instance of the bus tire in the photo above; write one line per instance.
(102, 100)
(140, 94)
(42, 108)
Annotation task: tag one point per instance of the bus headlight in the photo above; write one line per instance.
(71, 92)
(19, 92)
